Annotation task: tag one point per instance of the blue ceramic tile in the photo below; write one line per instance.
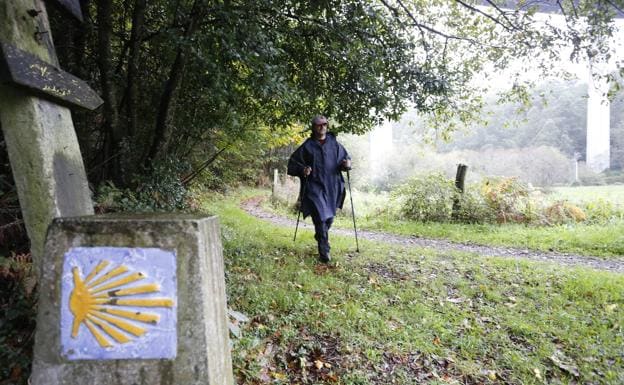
(118, 303)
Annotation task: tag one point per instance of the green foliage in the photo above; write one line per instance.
(555, 117)
(427, 198)
(18, 299)
(588, 177)
(601, 210)
(433, 198)
(158, 189)
(472, 208)
(601, 204)
(272, 64)
(507, 198)
(410, 315)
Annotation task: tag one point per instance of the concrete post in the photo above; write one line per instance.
(133, 300)
(598, 156)
(275, 186)
(42, 145)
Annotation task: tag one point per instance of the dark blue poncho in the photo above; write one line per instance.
(325, 190)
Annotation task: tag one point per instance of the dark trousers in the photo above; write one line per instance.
(321, 233)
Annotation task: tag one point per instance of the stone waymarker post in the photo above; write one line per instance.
(39, 133)
(123, 300)
(153, 313)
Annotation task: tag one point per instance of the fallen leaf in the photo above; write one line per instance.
(279, 376)
(240, 317)
(491, 374)
(455, 300)
(234, 329)
(558, 359)
(318, 364)
(611, 308)
(436, 341)
(16, 372)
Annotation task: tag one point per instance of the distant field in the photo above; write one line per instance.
(613, 193)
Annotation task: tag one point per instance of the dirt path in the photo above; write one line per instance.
(254, 208)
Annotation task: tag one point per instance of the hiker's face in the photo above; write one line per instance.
(319, 128)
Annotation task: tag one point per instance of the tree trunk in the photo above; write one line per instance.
(162, 131)
(138, 19)
(112, 131)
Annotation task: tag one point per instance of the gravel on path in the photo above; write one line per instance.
(253, 207)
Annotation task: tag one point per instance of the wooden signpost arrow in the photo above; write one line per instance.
(23, 69)
(37, 125)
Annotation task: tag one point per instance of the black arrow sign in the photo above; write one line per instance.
(26, 70)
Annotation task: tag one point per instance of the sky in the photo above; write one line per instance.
(580, 68)
(380, 139)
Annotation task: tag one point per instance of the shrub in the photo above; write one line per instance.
(158, 189)
(432, 197)
(427, 198)
(507, 197)
(563, 212)
(18, 312)
(473, 208)
(602, 210)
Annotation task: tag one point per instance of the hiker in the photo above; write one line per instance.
(318, 163)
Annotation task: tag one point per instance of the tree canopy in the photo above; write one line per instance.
(185, 79)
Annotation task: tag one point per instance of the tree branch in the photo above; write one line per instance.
(615, 6)
(423, 27)
(502, 13)
(495, 20)
(187, 179)
(162, 131)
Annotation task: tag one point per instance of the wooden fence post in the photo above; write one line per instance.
(460, 178)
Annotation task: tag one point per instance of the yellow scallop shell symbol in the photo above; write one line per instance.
(98, 303)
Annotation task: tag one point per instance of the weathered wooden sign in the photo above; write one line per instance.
(26, 70)
(71, 6)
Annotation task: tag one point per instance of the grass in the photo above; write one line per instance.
(578, 194)
(585, 239)
(596, 239)
(407, 316)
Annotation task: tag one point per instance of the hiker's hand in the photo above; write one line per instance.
(346, 164)
(307, 170)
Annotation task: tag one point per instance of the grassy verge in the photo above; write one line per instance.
(410, 316)
(612, 193)
(585, 239)
(603, 240)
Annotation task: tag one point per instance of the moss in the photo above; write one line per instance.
(19, 28)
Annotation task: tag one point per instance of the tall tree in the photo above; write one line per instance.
(195, 75)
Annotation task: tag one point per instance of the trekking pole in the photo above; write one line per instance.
(303, 190)
(357, 246)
